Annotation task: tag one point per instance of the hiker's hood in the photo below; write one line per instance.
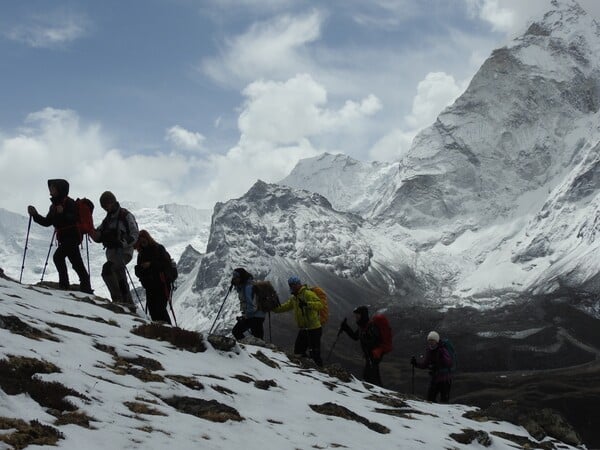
(62, 186)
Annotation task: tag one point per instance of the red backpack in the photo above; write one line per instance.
(85, 220)
(385, 331)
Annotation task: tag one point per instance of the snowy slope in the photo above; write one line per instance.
(111, 388)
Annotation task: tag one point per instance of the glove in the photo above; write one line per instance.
(413, 361)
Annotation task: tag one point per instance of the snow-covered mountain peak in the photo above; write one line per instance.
(349, 184)
(273, 220)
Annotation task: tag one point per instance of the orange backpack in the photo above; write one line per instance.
(324, 312)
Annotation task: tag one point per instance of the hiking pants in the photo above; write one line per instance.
(156, 301)
(309, 340)
(70, 249)
(439, 387)
(371, 373)
(115, 276)
(254, 324)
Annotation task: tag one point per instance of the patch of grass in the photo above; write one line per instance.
(142, 408)
(524, 442)
(111, 322)
(17, 377)
(17, 326)
(266, 360)
(205, 409)
(74, 418)
(243, 378)
(388, 401)
(189, 382)
(331, 409)
(222, 390)
(25, 434)
(70, 329)
(106, 349)
(183, 339)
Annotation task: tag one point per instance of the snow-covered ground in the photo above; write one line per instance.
(130, 391)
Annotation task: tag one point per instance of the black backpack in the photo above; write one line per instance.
(265, 295)
(171, 266)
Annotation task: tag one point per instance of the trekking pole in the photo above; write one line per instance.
(134, 289)
(334, 342)
(270, 336)
(413, 380)
(25, 250)
(48, 256)
(87, 251)
(221, 308)
(171, 303)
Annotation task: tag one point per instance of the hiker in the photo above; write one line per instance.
(63, 216)
(152, 268)
(306, 305)
(439, 362)
(375, 340)
(117, 232)
(251, 319)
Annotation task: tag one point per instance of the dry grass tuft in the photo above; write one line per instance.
(142, 408)
(205, 409)
(17, 377)
(17, 326)
(183, 339)
(25, 434)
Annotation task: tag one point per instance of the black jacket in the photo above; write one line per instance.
(153, 276)
(65, 223)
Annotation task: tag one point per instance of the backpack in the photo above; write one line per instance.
(324, 312)
(265, 295)
(447, 344)
(85, 220)
(171, 267)
(385, 331)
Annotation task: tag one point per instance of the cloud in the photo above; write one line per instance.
(271, 49)
(55, 144)
(287, 112)
(277, 124)
(49, 31)
(184, 139)
(435, 92)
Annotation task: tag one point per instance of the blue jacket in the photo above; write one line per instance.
(247, 303)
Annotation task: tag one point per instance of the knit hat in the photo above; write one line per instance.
(106, 198)
(294, 280)
(433, 336)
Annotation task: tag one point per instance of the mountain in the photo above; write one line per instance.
(500, 194)
(77, 372)
(277, 231)
(350, 185)
(174, 226)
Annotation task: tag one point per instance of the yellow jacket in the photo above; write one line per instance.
(307, 317)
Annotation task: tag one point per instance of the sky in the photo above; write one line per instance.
(190, 102)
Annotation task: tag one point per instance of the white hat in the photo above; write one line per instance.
(433, 336)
